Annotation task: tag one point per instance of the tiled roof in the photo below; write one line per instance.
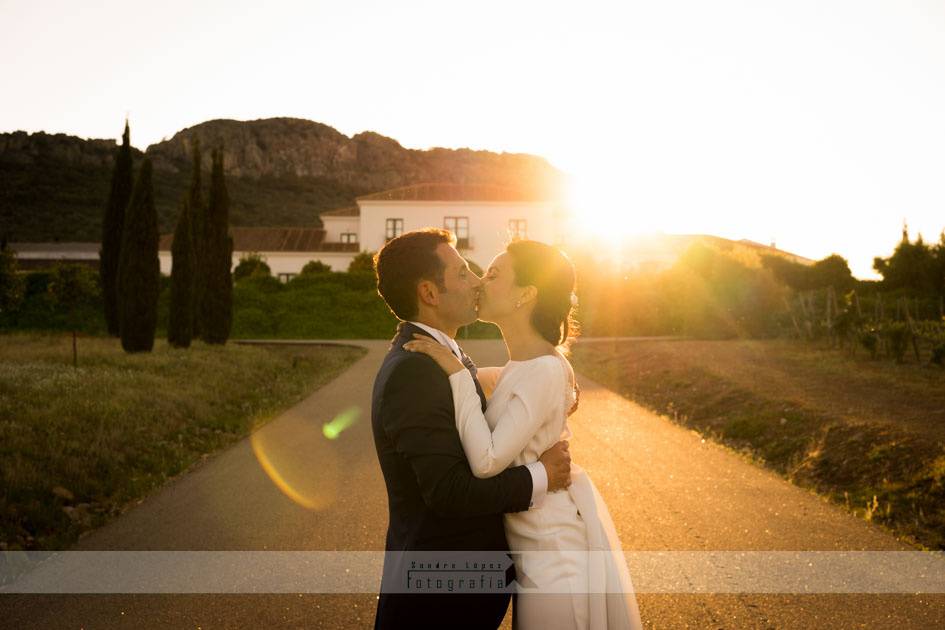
(56, 246)
(453, 192)
(275, 239)
(352, 211)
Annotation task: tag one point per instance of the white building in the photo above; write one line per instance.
(45, 255)
(484, 219)
(285, 249)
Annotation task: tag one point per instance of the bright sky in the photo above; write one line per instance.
(816, 123)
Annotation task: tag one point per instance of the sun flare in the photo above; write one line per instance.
(600, 211)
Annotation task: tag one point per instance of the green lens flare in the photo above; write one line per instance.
(340, 422)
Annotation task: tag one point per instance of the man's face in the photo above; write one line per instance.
(457, 305)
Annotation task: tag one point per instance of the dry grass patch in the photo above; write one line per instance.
(77, 446)
(868, 434)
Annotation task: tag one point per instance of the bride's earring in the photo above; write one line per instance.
(518, 304)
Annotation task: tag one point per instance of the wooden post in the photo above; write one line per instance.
(912, 333)
(829, 319)
(797, 328)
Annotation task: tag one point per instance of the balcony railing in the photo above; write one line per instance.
(338, 247)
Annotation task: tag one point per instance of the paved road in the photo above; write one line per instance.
(666, 488)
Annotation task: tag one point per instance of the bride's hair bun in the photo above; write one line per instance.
(550, 271)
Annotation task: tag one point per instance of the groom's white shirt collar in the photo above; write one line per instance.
(442, 337)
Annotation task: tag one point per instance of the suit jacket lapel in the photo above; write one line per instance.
(405, 331)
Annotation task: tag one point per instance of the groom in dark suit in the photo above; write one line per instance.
(435, 502)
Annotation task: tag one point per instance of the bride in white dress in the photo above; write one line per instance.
(571, 569)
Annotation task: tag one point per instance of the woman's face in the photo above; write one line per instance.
(499, 292)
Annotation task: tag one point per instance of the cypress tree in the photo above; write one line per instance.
(198, 214)
(112, 228)
(218, 299)
(181, 322)
(139, 269)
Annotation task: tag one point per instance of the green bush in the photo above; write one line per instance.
(363, 262)
(251, 264)
(315, 266)
(897, 336)
(253, 322)
(869, 339)
(938, 354)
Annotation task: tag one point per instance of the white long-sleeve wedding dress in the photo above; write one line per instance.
(571, 569)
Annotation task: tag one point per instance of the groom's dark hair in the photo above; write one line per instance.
(403, 262)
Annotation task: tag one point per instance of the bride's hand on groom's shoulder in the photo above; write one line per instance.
(440, 353)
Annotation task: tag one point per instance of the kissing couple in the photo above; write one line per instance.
(476, 460)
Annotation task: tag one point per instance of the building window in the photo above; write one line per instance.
(285, 277)
(518, 228)
(460, 227)
(349, 237)
(394, 228)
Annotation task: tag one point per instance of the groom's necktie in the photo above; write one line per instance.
(472, 370)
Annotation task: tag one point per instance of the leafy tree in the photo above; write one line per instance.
(112, 229)
(180, 327)
(938, 252)
(252, 264)
(11, 284)
(218, 297)
(363, 262)
(139, 270)
(72, 286)
(315, 266)
(912, 267)
(832, 271)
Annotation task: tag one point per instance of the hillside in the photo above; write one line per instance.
(281, 171)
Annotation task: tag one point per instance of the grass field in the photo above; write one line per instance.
(77, 446)
(868, 434)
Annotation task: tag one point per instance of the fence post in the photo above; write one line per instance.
(793, 319)
(912, 334)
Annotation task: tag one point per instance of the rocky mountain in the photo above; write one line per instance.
(280, 171)
(293, 147)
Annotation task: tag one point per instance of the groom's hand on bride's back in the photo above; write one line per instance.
(557, 463)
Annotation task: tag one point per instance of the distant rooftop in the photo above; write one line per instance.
(455, 192)
(351, 211)
(275, 239)
(65, 247)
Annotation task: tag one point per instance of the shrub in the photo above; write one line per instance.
(252, 322)
(938, 354)
(251, 264)
(897, 336)
(869, 340)
(363, 262)
(314, 267)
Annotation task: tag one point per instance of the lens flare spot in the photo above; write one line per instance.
(285, 452)
(339, 423)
